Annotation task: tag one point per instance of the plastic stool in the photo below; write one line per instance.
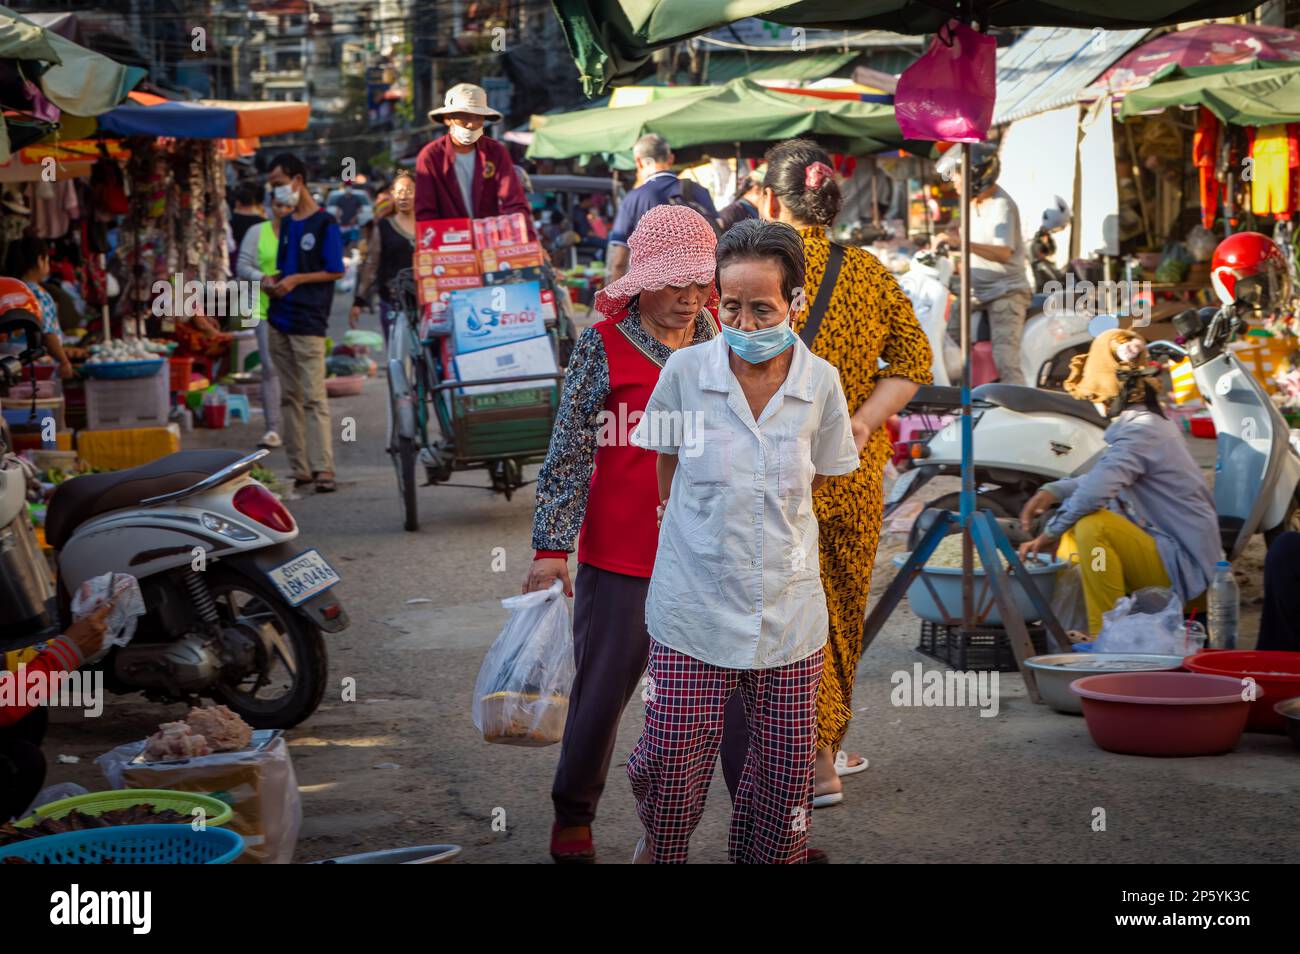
(205, 366)
(237, 407)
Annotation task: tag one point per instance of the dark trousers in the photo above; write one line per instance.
(610, 648)
(22, 766)
(1279, 625)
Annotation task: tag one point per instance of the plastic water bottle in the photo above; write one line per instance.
(1225, 604)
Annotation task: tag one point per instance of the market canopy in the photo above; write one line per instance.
(741, 112)
(1254, 94)
(611, 40)
(1206, 45)
(147, 115)
(77, 80)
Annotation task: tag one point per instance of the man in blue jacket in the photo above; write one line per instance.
(308, 263)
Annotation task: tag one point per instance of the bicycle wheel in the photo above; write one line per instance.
(404, 458)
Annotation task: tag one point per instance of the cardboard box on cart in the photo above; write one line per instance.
(490, 316)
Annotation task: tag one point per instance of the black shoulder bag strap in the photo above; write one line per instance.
(824, 291)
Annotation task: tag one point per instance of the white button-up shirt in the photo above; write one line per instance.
(737, 579)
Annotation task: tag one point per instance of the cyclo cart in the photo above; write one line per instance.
(435, 426)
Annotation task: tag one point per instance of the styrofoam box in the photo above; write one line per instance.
(519, 358)
(129, 402)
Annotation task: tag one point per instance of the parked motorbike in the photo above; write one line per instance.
(1257, 467)
(235, 605)
(1025, 437)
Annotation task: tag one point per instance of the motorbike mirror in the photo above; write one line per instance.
(1188, 323)
(1102, 323)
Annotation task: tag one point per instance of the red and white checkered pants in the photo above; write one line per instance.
(672, 764)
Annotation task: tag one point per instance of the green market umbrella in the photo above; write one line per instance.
(77, 80)
(611, 40)
(741, 112)
(1251, 94)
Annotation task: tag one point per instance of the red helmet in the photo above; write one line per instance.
(16, 296)
(1249, 268)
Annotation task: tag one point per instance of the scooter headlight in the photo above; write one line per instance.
(227, 528)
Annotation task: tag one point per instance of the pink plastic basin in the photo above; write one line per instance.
(1163, 713)
(344, 385)
(1276, 673)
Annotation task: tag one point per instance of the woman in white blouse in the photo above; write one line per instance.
(746, 426)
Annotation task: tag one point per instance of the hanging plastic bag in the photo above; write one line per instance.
(521, 696)
(948, 94)
(1201, 243)
(124, 590)
(1068, 603)
(1148, 621)
(1174, 263)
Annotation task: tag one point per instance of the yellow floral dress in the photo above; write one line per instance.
(869, 317)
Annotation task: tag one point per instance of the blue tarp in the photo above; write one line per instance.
(180, 120)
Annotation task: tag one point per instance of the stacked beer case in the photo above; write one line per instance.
(480, 291)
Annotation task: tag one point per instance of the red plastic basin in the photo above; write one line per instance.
(1276, 673)
(1163, 713)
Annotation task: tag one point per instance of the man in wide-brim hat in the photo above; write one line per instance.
(465, 174)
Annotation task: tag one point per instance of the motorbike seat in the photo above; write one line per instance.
(1027, 400)
(79, 499)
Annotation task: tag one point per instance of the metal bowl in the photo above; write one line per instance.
(1289, 710)
(419, 855)
(1054, 673)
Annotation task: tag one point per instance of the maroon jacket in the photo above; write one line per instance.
(497, 190)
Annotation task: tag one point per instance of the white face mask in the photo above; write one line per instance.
(286, 195)
(465, 136)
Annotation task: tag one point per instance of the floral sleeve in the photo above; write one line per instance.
(565, 477)
(906, 350)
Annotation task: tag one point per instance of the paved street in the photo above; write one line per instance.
(945, 785)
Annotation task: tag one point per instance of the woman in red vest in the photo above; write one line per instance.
(599, 490)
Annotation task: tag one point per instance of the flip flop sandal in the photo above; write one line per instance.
(843, 768)
(300, 482)
(325, 485)
(827, 800)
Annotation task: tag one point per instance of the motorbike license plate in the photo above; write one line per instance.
(303, 577)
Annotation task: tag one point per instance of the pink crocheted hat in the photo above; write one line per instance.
(671, 245)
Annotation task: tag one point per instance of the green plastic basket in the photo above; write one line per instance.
(95, 803)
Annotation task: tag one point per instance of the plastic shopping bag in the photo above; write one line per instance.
(1068, 603)
(1148, 621)
(257, 782)
(128, 604)
(948, 94)
(521, 696)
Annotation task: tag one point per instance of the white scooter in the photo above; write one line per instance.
(1257, 467)
(234, 605)
(1054, 332)
(1026, 437)
(1023, 438)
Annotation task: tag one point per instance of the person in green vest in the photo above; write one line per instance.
(256, 263)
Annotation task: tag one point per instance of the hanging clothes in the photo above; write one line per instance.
(55, 206)
(1270, 182)
(1205, 154)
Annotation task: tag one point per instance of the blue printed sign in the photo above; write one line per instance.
(496, 315)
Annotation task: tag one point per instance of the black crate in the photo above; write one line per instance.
(982, 648)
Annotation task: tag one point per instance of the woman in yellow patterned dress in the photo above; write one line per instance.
(869, 319)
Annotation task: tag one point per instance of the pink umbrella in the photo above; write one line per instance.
(1211, 44)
